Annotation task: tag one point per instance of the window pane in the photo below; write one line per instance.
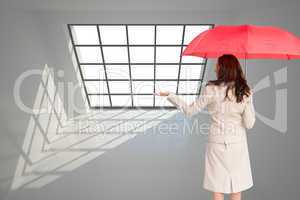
(162, 101)
(167, 71)
(93, 72)
(192, 31)
(121, 100)
(189, 99)
(141, 34)
(99, 100)
(192, 59)
(85, 34)
(89, 54)
(143, 100)
(141, 54)
(190, 71)
(188, 87)
(169, 34)
(96, 87)
(170, 86)
(117, 71)
(115, 54)
(113, 34)
(168, 54)
(119, 87)
(145, 87)
(142, 72)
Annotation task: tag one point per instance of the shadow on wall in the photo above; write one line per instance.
(47, 118)
(54, 145)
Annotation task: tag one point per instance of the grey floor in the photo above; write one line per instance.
(146, 161)
(134, 156)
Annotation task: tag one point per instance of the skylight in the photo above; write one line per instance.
(124, 65)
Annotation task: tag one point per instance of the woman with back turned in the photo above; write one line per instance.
(229, 102)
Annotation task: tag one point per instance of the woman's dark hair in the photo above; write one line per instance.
(229, 70)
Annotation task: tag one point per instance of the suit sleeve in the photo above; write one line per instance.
(249, 113)
(190, 109)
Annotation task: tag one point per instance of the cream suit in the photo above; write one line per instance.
(227, 163)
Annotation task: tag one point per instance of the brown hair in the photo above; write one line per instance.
(229, 70)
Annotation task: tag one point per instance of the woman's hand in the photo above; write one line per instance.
(163, 94)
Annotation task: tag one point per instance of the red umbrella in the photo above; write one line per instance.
(245, 41)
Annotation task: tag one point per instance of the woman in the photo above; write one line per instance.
(229, 102)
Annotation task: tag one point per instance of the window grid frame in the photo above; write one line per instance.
(104, 66)
(180, 59)
(154, 66)
(129, 63)
(154, 63)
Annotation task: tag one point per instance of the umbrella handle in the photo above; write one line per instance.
(245, 64)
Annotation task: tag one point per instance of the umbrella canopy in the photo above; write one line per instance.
(245, 41)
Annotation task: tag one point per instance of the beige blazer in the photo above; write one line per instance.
(229, 119)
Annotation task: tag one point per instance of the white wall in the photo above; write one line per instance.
(33, 35)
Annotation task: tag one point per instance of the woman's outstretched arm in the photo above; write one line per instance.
(189, 109)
